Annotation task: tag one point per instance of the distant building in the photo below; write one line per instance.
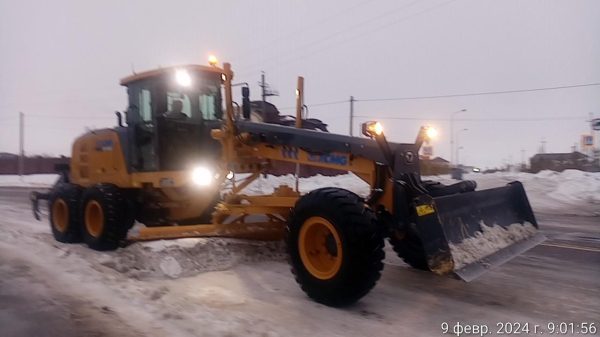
(438, 161)
(434, 166)
(562, 161)
(466, 168)
(6, 155)
(9, 164)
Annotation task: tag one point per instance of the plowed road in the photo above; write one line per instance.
(44, 292)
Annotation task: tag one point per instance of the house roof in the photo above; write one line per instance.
(439, 160)
(7, 155)
(559, 156)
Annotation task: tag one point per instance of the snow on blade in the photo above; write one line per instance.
(488, 241)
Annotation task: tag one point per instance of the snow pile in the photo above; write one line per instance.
(488, 241)
(546, 174)
(33, 180)
(348, 181)
(571, 191)
(188, 257)
(574, 185)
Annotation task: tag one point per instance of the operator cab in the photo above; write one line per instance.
(169, 117)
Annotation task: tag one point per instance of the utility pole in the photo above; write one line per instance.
(351, 114)
(299, 106)
(452, 134)
(458, 147)
(266, 91)
(299, 101)
(593, 147)
(263, 86)
(543, 147)
(592, 127)
(21, 143)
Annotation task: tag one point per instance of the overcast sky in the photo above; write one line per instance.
(60, 63)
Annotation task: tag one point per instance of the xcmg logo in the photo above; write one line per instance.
(329, 158)
(289, 152)
(104, 145)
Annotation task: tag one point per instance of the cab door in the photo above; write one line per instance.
(141, 129)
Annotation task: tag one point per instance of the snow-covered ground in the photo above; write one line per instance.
(32, 180)
(228, 287)
(571, 191)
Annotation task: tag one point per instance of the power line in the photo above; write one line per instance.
(453, 95)
(479, 93)
(315, 105)
(71, 117)
(370, 32)
(294, 53)
(312, 25)
(298, 55)
(523, 119)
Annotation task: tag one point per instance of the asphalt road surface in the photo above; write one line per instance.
(557, 281)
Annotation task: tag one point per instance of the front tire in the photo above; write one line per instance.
(335, 246)
(409, 248)
(63, 203)
(105, 217)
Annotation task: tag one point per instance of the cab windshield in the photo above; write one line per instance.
(201, 100)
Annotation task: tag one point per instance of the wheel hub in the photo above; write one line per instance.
(320, 248)
(60, 215)
(94, 218)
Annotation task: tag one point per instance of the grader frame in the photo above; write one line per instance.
(334, 237)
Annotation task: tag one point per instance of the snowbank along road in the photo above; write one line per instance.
(221, 287)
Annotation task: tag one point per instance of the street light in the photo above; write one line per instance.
(458, 147)
(452, 134)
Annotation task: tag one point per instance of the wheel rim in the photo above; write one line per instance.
(94, 218)
(60, 215)
(320, 248)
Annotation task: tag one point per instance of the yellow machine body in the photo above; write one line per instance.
(424, 222)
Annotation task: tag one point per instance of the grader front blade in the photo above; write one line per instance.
(469, 233)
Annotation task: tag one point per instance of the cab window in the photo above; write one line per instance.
(187, 107)
(144, 105)
(207, 106)
(210, 102)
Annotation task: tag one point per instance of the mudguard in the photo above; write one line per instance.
(35, 197)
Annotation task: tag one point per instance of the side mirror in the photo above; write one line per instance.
(119, 118)
(246, 102)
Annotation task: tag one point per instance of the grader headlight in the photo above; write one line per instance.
(372, 129)
(431, 132)
(202, 176)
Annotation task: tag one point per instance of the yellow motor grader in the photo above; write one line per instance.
(179, 163)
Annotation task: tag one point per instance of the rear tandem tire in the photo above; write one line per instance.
(335, 246)
(105, 217)
(63, 204)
